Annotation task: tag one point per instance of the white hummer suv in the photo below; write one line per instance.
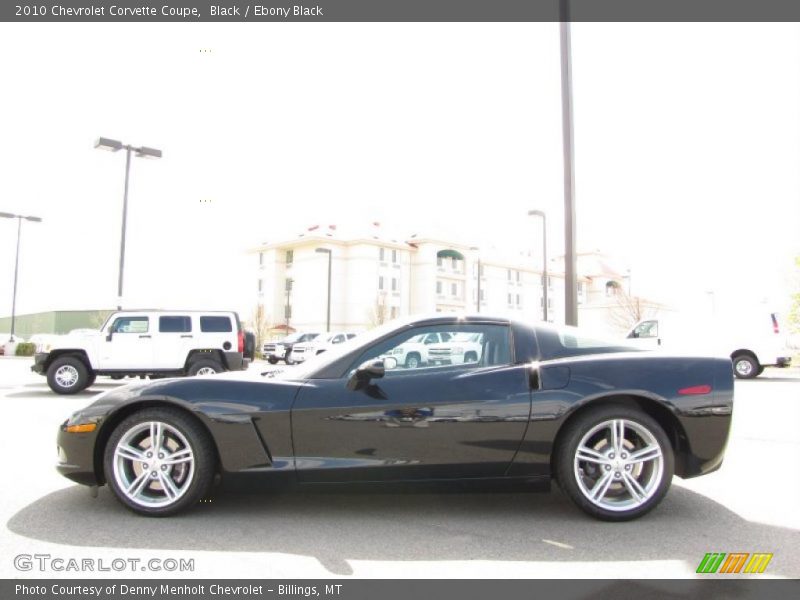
(151, 343)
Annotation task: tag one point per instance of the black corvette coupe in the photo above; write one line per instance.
(492, 400)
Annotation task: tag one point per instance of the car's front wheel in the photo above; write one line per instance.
(68, 375)
(614, 462)
(272, 360)
(159, 461)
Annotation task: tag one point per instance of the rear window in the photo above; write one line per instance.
(174, 324)
(215, 324)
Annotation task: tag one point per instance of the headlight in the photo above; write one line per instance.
(396, 351)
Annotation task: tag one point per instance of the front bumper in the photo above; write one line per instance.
(76, 456)
(39, 362)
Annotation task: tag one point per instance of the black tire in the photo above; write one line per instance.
(92, 379)
(618, 493)
(745, 366)
(412, 361)
(64, 369)
(198, 480)
(470, 357)
(760, 370)
(272, 360)
(204, 364)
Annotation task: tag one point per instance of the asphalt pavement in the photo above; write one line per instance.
(749, 505)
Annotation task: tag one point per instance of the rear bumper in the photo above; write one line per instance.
(783, 361)
(236, 362)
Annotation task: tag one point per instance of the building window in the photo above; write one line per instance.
(510, 300)
(453, 263)
(439, 261)
(260, 286)
(394, 256)
(380, 282)
(289, 257)
(483, 295)
(612, 287)
(288, 285)
(382, 254)
(509, 274)
(519, 300)
(439, 288)
(394, 284)
(393, 312)
(517, 276)
(260, 259)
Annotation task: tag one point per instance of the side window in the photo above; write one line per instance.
(338, 339)
(215, 324)
(648, 329)
(174, 324)
(350, 336)
(462, 346)
(131, 325)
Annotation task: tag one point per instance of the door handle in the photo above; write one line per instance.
(145, 336)
(187, 336)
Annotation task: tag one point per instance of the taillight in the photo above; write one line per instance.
(241, 341)
(775, 328)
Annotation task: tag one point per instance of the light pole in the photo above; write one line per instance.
(330, 259)
(142, 152)
(16, 264)
(478, 299)
(568, 137)
(545, 282)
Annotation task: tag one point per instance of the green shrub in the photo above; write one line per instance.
(25, 349)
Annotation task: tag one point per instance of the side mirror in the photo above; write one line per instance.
(389, 363)
(372, 369)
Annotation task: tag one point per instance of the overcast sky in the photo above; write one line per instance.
(687, 149)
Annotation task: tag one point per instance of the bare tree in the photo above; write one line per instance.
(378, 315)
(262, 325)
(628, 310)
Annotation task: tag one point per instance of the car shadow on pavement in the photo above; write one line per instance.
(335, 527)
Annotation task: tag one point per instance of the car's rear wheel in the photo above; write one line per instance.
(614, 462)
(92, 378)
(205, 366)
(159, 461)
(67, 375)
(412, 361)
(745, 366)
(470, 357)
(272, 360)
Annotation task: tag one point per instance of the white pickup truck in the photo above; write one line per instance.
(144, 343)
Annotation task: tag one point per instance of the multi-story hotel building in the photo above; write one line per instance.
(376, 277)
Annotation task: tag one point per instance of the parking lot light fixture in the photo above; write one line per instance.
(19, 219)
(330, 259)
(141, 152)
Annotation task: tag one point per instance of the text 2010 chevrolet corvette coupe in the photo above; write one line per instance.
(527, 404)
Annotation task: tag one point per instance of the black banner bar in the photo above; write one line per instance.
(400, 10)
(398, 589)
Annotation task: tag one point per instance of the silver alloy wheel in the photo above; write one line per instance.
(743, 367)
(619, 465)
(206, 371)
(153, 464)
(66, 376)
(412, 362)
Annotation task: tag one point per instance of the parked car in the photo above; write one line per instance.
(611, 425)
(459, 349)
(282, 350)
(753, 341)
(414, 352)
(302, 351)
(145, 343)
